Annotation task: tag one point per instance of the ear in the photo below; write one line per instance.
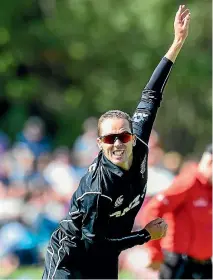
(99, 143)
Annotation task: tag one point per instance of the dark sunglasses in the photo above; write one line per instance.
(111, 138)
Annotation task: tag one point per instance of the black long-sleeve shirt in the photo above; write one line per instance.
(103, 208)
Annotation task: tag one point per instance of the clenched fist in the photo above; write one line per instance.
(157, 228)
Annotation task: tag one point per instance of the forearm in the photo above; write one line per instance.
(146, 110)
(174, 50)
(158, 79)
(129, 241)
(118, 244)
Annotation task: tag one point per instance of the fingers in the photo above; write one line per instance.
(178, 15)
(158, 221)
(186, 21)
(165, 230)
(181, 9)
(181, 13)
(184, 14)
(165, 227)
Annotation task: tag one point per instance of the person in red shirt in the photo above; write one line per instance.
(186, 251)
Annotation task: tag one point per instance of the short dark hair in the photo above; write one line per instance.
(114, 114)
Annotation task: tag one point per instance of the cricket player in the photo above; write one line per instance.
(99, 224)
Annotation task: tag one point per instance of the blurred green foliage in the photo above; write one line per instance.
(75, 58)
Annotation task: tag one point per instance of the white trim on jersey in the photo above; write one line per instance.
(142, 141)
(165, 80)
(74, 212)
(65, 221)
(93, 193)
(51, 253)
(107, 197)
(58, 253)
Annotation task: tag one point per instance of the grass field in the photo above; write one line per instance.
(30, 272)
(33, 272)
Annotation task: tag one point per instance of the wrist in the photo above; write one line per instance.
(174, 50)
(177, 44)
(144, 233)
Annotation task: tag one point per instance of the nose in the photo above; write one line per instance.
(117, 142)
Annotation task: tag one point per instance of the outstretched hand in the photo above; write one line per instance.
(181, 24)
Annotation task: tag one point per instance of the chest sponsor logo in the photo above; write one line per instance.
(119, 201)
(201, 202)
(136, 201)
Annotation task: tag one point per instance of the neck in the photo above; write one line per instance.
(126, 165)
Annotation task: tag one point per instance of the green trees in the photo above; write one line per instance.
(76, 58)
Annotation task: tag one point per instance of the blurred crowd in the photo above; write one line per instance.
(37, 182)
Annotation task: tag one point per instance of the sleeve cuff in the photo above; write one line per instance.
(168, 60)
(145, 234)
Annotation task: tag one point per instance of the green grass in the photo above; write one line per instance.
(30, 272)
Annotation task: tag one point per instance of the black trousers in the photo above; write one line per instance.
(63, 269)
(64, 261)
(178, 266)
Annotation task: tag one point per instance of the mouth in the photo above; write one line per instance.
(118, 153)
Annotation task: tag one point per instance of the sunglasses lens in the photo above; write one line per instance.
(123, 137)
(109, 139)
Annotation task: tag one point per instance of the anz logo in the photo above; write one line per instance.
(132, 205)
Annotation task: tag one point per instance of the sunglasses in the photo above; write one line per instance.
(111, 138)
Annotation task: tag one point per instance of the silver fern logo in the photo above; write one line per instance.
(137, 117)
(143, 166)
(119, 201)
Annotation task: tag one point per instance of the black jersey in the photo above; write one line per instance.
(107, 201)
(108, 198)
(103, 208)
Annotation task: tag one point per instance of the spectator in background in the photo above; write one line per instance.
(156, 170)
(61, 175)
(187, 207)
(172, 161)
(34, 136)
(4, 142)
(21, 165)
(85, 148)
(37, 177)
(4, 146)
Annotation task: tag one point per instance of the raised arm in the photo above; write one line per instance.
(146, 110)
